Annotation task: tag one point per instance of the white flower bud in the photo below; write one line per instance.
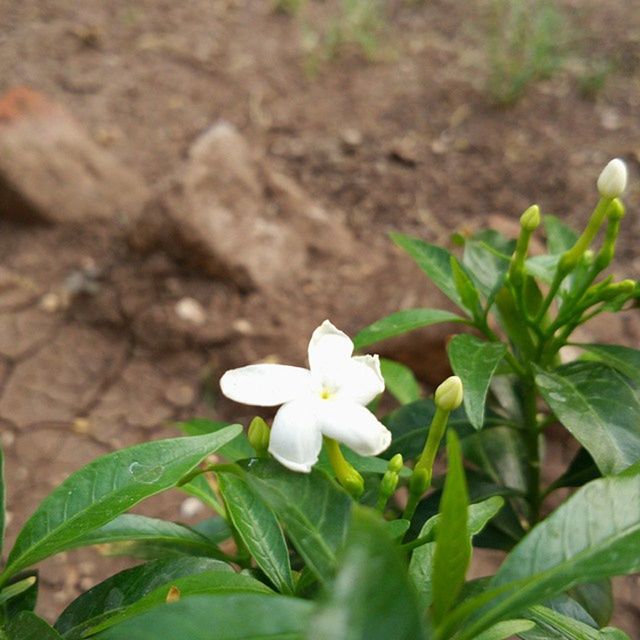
(448, 395)
(613, 179)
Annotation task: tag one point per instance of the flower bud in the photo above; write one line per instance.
(395, 464)
(613, 179)
(259, 435)
(353, 482)
(530, 219)
(419, 481)
(388, 484)
(449, 394)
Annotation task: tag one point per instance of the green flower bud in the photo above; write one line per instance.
(259, 435)
(419, 482)
(388, 484)
(352, 481)
(530, 219)
(396, 463)
(449, 394)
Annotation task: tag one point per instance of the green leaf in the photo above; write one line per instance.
(600, 407)
(28, 626)
(219, 617)
(409, 425)
(564, 627)
(596, 598)
(474, 361)
(623, 359)
(560, 237)
(259, 530)
(104, 489)
(486, 256)
(127, 587)
(501, 453)
(25, 601)
(400, 323)
(363, 464)
(135, 528)
(542, 267)
(466, 289)
(581, 470)
(209, 582)
(313, 509)
(238, 448)
(400, 381)
(434, 261)
(453, 545)
(372, 597)
(421, 564)
(595, 534)
(506, 629)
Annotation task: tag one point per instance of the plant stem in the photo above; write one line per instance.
(531, 435)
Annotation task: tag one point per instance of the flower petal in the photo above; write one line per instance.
(265, 385)
(354, 425)
(295, 438)
(328, 348)
(359, 380)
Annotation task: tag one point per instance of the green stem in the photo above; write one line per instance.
(531, 435)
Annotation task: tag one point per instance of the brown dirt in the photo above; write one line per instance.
(92, 353)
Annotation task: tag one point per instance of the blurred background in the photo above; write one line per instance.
(187, 187)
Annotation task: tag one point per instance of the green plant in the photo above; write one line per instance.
(316, 543)
(525, 41)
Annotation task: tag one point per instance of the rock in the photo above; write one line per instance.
(51, 169)
(229, 214)
(190, 310)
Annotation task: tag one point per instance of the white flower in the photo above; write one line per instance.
(613, 179)
(327, 399)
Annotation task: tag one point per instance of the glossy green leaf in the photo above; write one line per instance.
(400, 323)
(595, 534)
(259, 530)
(501, 453)
(219, 617)
(400, 381)
(434, 261)
(210, 582)
(600, 407)
(557, 625)
(238, 448)
(27, 599)
(313, 510)
(466, 289)
(474, 361)
(200, 488)
(135, 528)
(486, 256)
(372, 597)
(453, 542)
(421, 564)
(28, 626)
(104, 489)
(506, 629)
(123, 589)
(623, 359)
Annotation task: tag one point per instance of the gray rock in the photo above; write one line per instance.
(230, 215)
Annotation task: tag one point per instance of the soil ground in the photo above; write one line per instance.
(407, 142)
